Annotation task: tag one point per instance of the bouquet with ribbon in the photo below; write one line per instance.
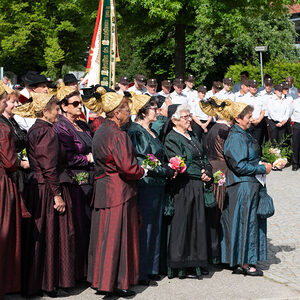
(151, 162)
(177, 163)
(219, 178)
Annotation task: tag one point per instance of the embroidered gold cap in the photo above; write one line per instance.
(63, 91)
(4, 88)
(137, 102)
(38, 103)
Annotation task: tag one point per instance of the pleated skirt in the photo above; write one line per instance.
(10, 237)
(49, 242)
(113, 260)
(188, 241)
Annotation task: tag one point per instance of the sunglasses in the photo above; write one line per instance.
(75, 103)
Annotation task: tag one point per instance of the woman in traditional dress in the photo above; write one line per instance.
(10, 209)
(20, 139)
(187, 243)
(114, 240)
(76, 139)
(151, 190)
(243, 232)
(49, 235)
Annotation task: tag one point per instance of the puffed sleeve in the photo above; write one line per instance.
(142, 148)
(67, 139)
(8, 155)
(46, 152)
(125, 160)
(236, 153)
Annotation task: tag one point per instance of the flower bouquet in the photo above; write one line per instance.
(23, 155)
(151, 162)
(81, 178)
(277, 155)
(219, 178)
(177, 163)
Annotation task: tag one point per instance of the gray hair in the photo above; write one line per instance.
(180, 108)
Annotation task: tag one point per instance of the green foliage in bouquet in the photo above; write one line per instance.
(273, 151)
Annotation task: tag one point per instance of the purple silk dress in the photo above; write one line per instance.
(77, 145)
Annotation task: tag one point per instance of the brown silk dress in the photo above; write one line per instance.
(10, 217)
(113, 260)
(49, 236)
(215, 155)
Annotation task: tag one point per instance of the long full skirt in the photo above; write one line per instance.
(49, 242)
(113, 260)
(10, 237)
(244, 239)
(150, 203)
(81, 200)
(188, 244)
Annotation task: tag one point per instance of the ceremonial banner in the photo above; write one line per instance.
(103, 54)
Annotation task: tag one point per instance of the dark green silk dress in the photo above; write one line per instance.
(244, 239)
(150, 198)
(188, 240)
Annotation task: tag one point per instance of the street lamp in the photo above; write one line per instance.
(261, 49)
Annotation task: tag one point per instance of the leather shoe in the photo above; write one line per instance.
(257, 272)
(238, 270)
(124, 293)
(204, 271)
(295, 168)
(155, 277)
(147, 283)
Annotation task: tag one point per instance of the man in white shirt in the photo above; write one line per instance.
(292, 90)
(244, 76)
(189, 91)
(177, 97)
(243, 91)
(257, 128)
(296, 133)
(151, 87)
(226, 93)
(139, 85)
(123, 85)
(278, 114)
(201, 122)
(165, 88)
(262, 88)
(216, 87)
(266, 95)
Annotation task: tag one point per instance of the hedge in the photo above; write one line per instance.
(279, 70)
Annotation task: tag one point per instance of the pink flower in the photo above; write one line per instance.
(175, 163)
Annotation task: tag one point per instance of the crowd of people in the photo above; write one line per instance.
(80, 202)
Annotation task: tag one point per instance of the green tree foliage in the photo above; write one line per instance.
(279, 70)
(218, 34)
(45, 34)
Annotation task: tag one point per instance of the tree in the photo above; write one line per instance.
(203, 32)
(44, 35)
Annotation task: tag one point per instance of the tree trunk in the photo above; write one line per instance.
(180, 50)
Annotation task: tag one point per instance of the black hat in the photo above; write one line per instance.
(268, 81)
(124, 80)
(166, 83)
(227, 80)
(152, 82)
(202, 89)
(160, 100)
(278, 87)
(285, 85)
(252, 83)
(178, 82)
(140, 79)
(69, 78)
(34, 78)
(190, 78)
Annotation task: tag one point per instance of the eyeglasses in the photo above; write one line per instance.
(75, 103)
(187, 117)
